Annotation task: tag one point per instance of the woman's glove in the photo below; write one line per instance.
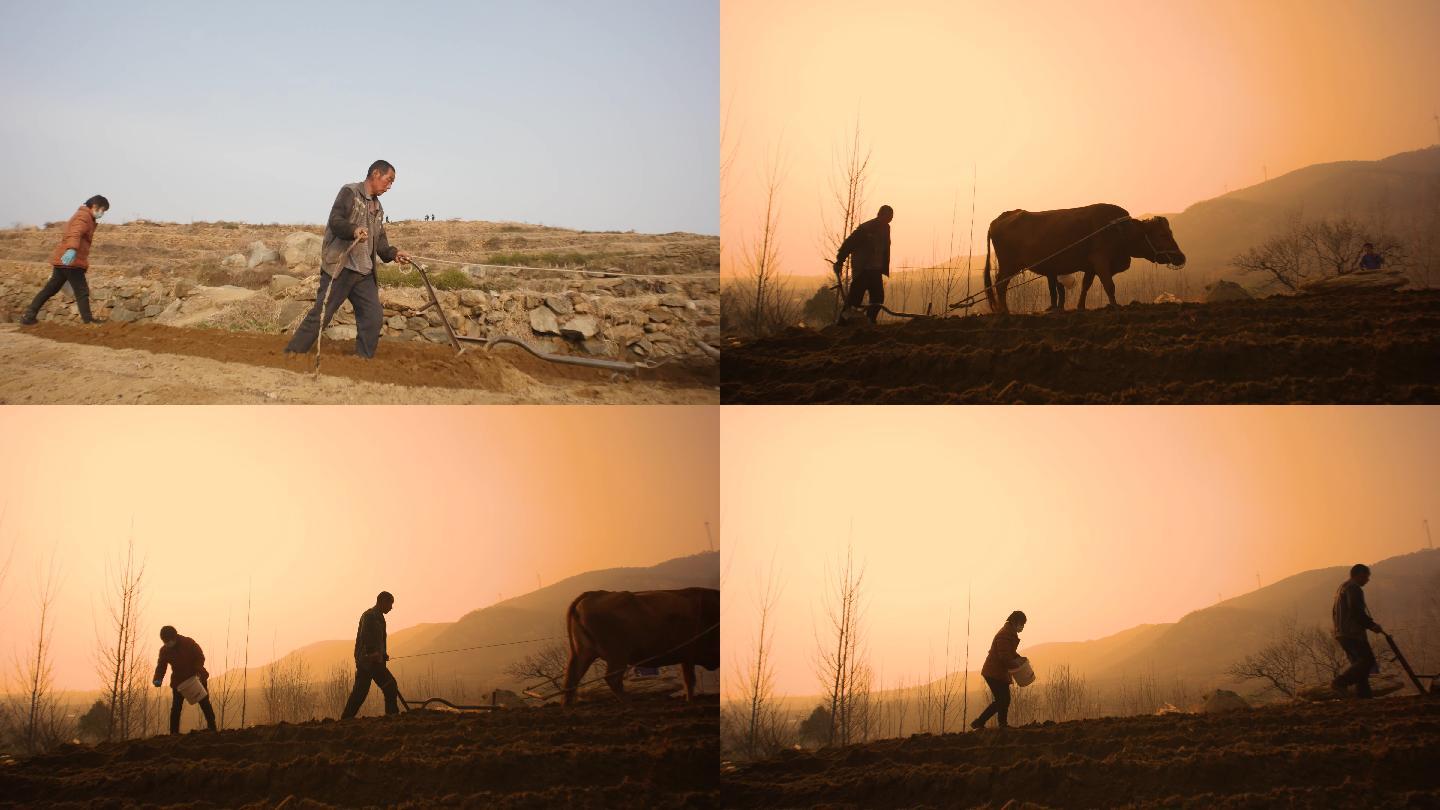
(157, 681)
(68, 257)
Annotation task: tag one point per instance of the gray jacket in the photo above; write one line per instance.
(868, 248)
(353, 209)
(1349, 616)
(370, 635)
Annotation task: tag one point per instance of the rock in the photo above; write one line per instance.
(581, 327)
(153, 310)
(292, 311)
(560, 304)
(123, 315)
(261, 254)
(182, 288)
(404, 299)
(583, 307)
(625, 334)
(494, 316)
(543, 321)
(417, 322)
(1167, 298)
(280, 283)
(171, 311)
(1223, 700)
(233, 260)
(473, 298)
(674, 300)
(341, 332)
(600, 347)
(436, 334)
(661, 315)
(396, 322)
(301, 248)
(1225, 291)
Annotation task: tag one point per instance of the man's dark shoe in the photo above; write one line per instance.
(28, 320)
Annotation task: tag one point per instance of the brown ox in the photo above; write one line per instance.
(1098, 240)
(642, 628)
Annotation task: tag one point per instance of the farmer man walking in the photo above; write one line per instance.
(70, 261)
(186, 660)
(1351, 620)
(370, 659)
(354, 240)
(1004, 656)
(868, 249)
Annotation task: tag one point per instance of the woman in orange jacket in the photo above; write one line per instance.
(71, 259)
(1004, 656)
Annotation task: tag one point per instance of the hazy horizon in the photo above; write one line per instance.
(1164, 511)
(259, 113)
(1183, 102)
(452, 509)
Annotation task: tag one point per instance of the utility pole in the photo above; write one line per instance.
(709, 542)
(1265, 170)
(1430, 544)
(1437, 127)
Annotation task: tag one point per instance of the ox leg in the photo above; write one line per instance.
(1057, 293)
(575, 669)
(1108, 281)
(1085, 289)
(687, 674)
(615, 678)
(1001, 282)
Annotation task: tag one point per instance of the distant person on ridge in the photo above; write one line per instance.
(1003, 656)
(1370, 260)
(868, 249)
(186, 660)
(70, 261)
(1351, 619)
(370, 658)
(354, 240)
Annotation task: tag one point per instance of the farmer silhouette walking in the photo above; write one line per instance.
(370, 658)
(868, 249)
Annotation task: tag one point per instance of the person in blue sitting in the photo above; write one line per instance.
(1370, 260)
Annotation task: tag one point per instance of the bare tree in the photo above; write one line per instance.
(1064, 694)
(116, 651)
(546, 664)
(762, 728)
(287, 691)
(766, 303)
(34, 716)
(849, 185)
(1295, 657)
(222, 689)
(842, 661)
(245, 665)
(337, 688)
(1307, 250)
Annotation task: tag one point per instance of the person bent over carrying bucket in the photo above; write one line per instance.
(1003, 659)
(186, 661)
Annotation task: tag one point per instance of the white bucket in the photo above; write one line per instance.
(192, 690)
(1024, 674)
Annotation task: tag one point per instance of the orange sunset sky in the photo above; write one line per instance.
(1090, 519)
(1149, 105)
(318, 509)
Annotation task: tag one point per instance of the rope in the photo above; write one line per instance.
(479, 647)
(574, 271)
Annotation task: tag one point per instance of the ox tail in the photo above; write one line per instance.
(989, 289)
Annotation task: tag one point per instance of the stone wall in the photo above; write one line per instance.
(613, 317)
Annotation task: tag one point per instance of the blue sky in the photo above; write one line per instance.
(602, 116)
